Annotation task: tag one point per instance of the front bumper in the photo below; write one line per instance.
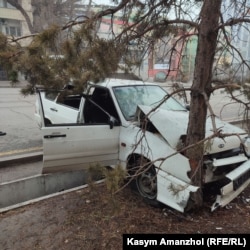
(238, 179)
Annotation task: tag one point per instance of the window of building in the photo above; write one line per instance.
(4, 4)
(13, 31)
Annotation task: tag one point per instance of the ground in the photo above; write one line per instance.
(91, 219)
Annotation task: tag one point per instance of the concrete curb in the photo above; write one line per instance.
(35, 200)
(17, 159)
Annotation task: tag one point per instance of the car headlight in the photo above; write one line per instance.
(246, 146)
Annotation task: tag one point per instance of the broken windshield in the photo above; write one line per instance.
(129, 97)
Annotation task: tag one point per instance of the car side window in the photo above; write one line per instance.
(51, 95)
(99, 107)
(71, 101)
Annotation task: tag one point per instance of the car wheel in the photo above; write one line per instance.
(147, 184)
(144, 182)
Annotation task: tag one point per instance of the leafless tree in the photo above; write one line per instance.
(46, 13)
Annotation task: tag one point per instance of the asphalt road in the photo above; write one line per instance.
(225, 107)
(221, 103)
(17, 121)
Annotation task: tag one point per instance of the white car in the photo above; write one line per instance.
(116, 125)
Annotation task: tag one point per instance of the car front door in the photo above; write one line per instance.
(67, 148)
(93, 140)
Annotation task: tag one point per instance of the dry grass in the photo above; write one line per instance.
(93, 219)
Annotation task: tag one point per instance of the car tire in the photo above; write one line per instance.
(143, 180)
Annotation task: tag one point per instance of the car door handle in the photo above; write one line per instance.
(53, 109)
(54, 136)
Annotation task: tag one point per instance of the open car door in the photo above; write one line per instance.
(68, 147)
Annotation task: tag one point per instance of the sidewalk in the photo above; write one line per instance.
(18, 110)
(8, 84)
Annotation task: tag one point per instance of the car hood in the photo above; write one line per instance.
(172, 124)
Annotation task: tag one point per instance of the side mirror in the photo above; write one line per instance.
(2, 133)
(112, 122)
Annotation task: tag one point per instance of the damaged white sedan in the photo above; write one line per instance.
(119, 123)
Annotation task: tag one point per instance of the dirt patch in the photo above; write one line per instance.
(91, 219)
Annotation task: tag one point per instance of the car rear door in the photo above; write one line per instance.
(66, 109)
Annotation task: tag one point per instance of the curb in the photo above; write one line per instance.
(35, 200)
(17, 159)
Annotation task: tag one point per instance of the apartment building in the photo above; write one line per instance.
(13, 23)
(240, 38)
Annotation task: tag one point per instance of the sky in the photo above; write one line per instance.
(97, 2)
(108, 2)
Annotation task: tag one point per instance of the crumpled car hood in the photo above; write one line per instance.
(173, 124)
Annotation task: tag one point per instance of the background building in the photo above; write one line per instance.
(240, 38)
(13, 23)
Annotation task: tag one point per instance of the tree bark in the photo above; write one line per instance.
(207, 40)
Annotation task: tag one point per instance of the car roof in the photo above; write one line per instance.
(119, 79)
(114, 82)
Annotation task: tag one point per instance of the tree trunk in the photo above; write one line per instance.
(207, 40)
